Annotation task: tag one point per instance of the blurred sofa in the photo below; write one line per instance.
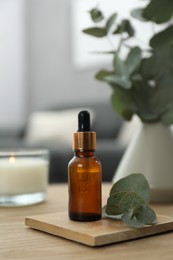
(52, 129)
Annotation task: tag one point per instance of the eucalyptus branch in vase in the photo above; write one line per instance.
(141, 85)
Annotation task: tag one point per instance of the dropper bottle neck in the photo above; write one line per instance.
(85, 153)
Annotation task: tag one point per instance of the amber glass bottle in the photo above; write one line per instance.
(84, 174)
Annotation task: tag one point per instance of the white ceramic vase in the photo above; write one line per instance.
(150, 152)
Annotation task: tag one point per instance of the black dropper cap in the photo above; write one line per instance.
(84, 138)
(84, 121)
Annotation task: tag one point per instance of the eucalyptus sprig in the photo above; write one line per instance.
(141, 84)
(128, 201)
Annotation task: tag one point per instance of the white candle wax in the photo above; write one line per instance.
(23, 176)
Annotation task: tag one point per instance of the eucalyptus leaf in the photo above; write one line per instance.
(147, 67)
(102, 74)
(105, 215)
(113, 210)
(119, 65)
(131, 201)
(122, 103)
(122, 81)
(133, 60)
(113, 203)
(146, 215)
(152, 68)
(135, 182)
(125, 26)
(167, 117)
(119, 29)
(112, 79)
(96, 32)
(128, 201)
(138, 14)
(110, 22)
(161, 101)
(96, 15)
(136, 78)
(143, 216)
(128, 27)
(158, 11)
(164, 37)
(142, 95)
(132, 222)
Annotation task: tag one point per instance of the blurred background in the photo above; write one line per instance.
(45, 59)
(47, 62)
(36, 67)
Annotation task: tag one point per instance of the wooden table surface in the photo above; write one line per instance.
(20, 242)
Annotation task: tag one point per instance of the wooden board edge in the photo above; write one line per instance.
(41, 226)
(101, 240)
(128, 235)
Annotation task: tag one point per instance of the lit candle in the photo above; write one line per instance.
(23, 175)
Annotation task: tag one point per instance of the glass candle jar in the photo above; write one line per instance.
(23, 176)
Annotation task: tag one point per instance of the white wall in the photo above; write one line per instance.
(53, 78)
(12, 64)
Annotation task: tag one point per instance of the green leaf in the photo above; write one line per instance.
(113, 203)
(158, 11)
(137, 78)
(151, 68)
(125, 26)
(102, 74)
(131, 201)
(128, 202)
(133, 60)
(147, 69)
(146, 215)
(122, 103)
(128, 28)
(96, 15)
(141, 94)
(135, 182)
(160, 97)
(167, 117)
(110, 22)
(161, 101)
(122, 81)
(162, 38)
(119, 66)
(96, 32)
(132, 222)
(112, 79)
(138, 14)
(105, 215)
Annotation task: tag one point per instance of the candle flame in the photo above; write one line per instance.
(12, 159)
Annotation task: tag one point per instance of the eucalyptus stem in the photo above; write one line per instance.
(120, 44)
(110, 41)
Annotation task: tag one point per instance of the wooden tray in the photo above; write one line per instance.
(96, 233)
